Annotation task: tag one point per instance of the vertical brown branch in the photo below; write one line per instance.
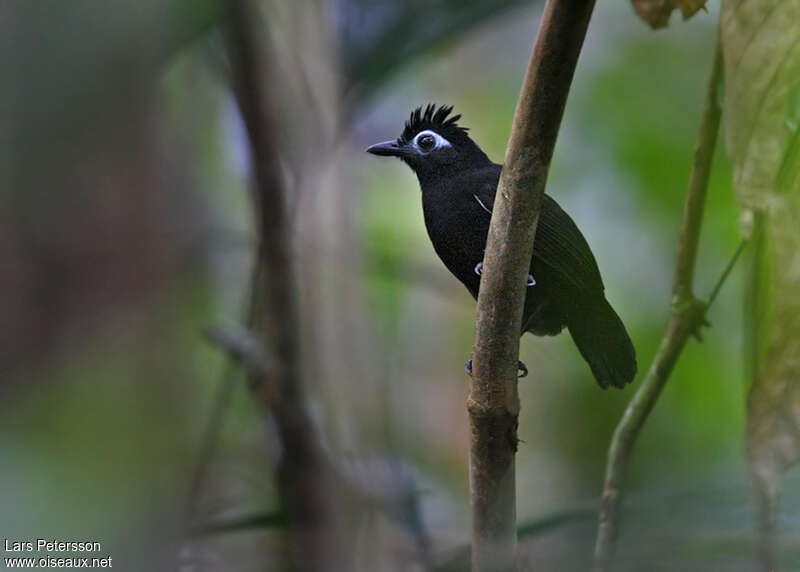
(687, 316)
(493, 402)
(304, 475)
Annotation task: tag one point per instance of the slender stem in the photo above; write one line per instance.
(724, 276)
(493, 402)
(243, 348)
(219, 409)
(765, 475)
(686, 317)
(210, 441)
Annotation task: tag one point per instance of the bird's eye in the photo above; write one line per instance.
(426, 142)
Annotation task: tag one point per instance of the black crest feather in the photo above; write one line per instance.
(429, 118)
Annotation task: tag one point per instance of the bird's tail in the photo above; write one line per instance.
(603, 342)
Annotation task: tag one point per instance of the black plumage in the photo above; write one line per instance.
(458, 183)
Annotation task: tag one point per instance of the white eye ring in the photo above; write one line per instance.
(439, 141)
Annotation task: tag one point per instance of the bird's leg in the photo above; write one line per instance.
(520, 366)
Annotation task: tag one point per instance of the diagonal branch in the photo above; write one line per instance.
(687, 316)
(493, 402)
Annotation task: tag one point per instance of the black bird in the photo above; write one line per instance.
(458, 183)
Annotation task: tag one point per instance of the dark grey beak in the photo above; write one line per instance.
(386, 149)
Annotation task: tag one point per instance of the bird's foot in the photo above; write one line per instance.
(523, 369)
(479, 270)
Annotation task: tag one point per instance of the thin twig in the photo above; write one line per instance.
(724, 276)
(493, 402)
(243, 346)
(687, 316)
(211, 434)
(209, 441)
(249, 523)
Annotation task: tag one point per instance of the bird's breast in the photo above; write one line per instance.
(458, 231)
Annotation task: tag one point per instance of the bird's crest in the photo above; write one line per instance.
(430, 118)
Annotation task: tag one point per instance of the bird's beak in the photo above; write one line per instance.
(386, 149)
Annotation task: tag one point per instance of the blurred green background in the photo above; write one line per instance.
(126, 229)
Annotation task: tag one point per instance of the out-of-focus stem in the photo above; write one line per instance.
(304, 475)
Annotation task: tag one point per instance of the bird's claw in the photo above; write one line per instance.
(520, 366)
(531, 281)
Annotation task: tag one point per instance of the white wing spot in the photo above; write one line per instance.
(483, 206)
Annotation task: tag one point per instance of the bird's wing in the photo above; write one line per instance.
(559, 244)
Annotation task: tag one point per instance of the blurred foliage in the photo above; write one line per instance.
(657, 12)
(378, 38)
(125, 231)
(762, 84)
(762, 90)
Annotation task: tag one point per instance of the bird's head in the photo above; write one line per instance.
(432, 141)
